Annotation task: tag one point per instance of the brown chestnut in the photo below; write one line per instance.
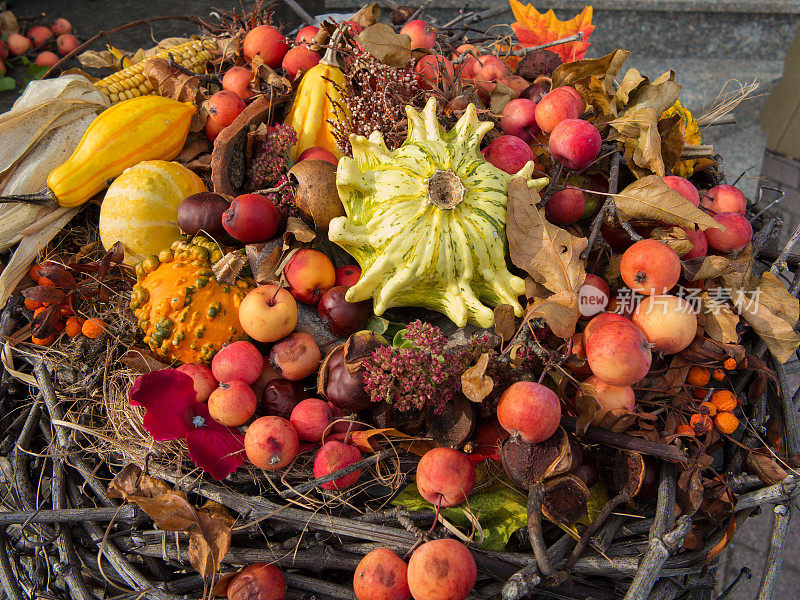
(203, 212)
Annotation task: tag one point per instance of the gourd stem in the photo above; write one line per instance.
(329, 58)
(44, 198)
(445, 189)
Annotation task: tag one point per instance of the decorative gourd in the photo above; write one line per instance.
(426, 222)
(318, 99)
(140, 208)
(184, 312)
(143, 128)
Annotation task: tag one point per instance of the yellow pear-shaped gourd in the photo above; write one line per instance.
(317, 100)
(141, 206)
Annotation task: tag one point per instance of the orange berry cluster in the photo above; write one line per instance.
(716, 408)
(70, 323)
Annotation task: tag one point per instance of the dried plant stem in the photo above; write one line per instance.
(658, 550)
(105, 34)
(780, 262)
(665, 506)
(744, 575)
(127, 513)
(351, 468)
(608, 205)
(697, 151)
(627, 442)
(535, 497)
(601, 517)
(576, 37)
(777, 550)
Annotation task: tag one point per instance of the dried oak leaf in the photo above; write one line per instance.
(475, 384)
(674, 237)
(650, 198)
(548, 253)
(171, 82)
(380, 40)
(771, 311)
(560, 311)
(719, 320)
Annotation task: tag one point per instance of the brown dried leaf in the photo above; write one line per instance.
(560, 311)
(264, 259)
(720, 321)
(673, 137)
(8, 23)
(707, 267)
(142, 360)
(99, 59)
(637, 129)
(212, 539)
(380, 40)
(172, 82)
(505, 324)
(605, 68)
(197, 143)
(367, 15)
(550, 254)
(296, 229)
(765, 468)
(674, 237)
(587, 405)
(475, 384)
(632, 80)
(771, 311)
(44, 293)
(650, 198)
(264, 74)
(501, 95)
(170, 509)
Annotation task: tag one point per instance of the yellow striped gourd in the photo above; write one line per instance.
(140, 208)
(144, 128)
(427, 221)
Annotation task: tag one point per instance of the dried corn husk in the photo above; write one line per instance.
(39, 133)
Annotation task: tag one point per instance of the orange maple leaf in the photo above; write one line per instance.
(534, 28)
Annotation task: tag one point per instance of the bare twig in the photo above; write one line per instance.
(535, 497)
(658, 551)
(351, 468)
(601, 517)
(608, 205)
(300, 11)
(744, 575)
(780, 262)
(777, 550)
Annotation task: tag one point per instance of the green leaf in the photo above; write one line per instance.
(400, 341)
(24, 60)
(500, 508)
(383, 327)
(37, 71)
(7, 83)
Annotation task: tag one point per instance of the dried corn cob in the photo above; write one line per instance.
(131, 82)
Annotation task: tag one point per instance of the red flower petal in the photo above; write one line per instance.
(216, 449)
(169, 397)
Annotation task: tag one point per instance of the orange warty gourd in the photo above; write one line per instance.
(184, 312)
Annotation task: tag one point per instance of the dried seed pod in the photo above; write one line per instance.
(316, 197)
(635, 474)
(566, 499)
(359, 347)
(454, 424)
(343, 389)
(526, 463)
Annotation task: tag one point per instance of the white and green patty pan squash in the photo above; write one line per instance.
(427, 222)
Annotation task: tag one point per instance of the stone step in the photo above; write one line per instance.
(756, 29)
